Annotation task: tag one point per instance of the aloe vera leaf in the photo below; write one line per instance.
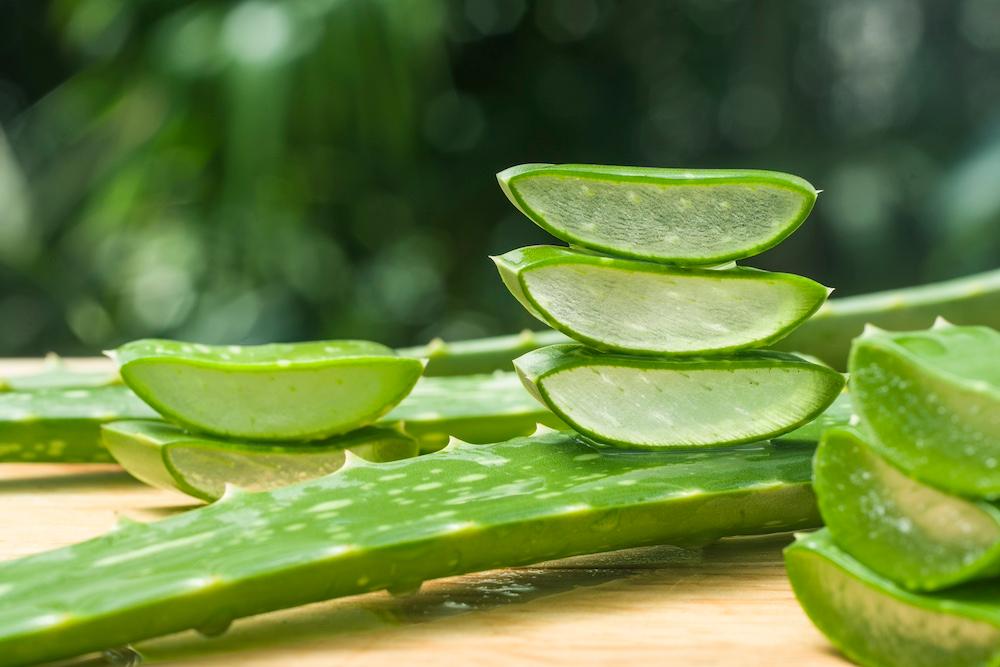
(63, 425)
(647, 308)
(479, 355)
(201, 466)
(390, 525)
(56, 375)
(474, 408)
(839, 413)
(931, 399)
(291, 391)
(679, 216)
(653, 403)
(879, 624)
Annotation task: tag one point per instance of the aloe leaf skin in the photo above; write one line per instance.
(391, 525)
(201, 466)
(479, 355)
(931, 399)
(679, 216)
(911, 533)
(63, 425)
(55, 375)
(655, 403)
(876, 623)
(284, 391)
(647, 308)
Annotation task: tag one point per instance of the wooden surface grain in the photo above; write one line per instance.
(728, 604)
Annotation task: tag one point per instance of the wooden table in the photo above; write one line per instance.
(728, 604)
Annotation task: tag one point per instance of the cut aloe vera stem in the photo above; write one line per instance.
(294, 391)
(63, 425)
(165, 456)
(55, 375)
(647, 308)
(652, 403)
(932, 400)
(391, 525)
(879, 624)
(679, 216)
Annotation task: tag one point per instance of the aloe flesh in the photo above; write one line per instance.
(876, 622)
(646, 308)
(931, 400)
(294, 391)
(906, 531)
(679, 216)
(653, 403)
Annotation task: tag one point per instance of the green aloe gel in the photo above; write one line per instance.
(877, 623)
(297, 391)
(680, 216)
(646, 308)
(654, 403)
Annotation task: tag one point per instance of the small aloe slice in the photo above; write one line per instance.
(392, 525)
(877, 623)
(55, 375)
(671, 215)
(647, 308)
(932, 400)
(294, 391)
(911, 533)
(63, 425)
(653, 403)
(165, 456)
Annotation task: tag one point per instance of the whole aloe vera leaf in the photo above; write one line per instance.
(680, 216)
(932, 401)
(653, 403)
(479, 355)
(55, 375)
(647, 308)
(909, 532)
(63, 425)
(201, 466)
(392, 525)
(877, 623)
(285, 391)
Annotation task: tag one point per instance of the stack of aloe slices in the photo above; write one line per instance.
(907, 571)
(668, 336)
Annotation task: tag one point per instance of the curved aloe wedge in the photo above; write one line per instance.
(164, 456)
(679, 216)
(63, 425)
(297, 391)
(653, 403)
(647, 308)
(392, 525)
(911, 533)
(878, 624)
(932, 400)
(55, 375)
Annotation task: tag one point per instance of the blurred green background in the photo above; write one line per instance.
(252, 171)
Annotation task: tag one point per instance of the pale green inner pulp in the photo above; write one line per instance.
(664, 312)
(668, 220)
(649, 406)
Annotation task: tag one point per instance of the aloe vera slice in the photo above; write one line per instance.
(877, 623)
(932, 400)
(165, 456)
(391, 525)
(652, 403)
(679, 216)
(296, 391)
(911, 533)
(646, 308)
(63, 425)
(56, 375)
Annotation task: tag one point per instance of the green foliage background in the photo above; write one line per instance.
(278, 170)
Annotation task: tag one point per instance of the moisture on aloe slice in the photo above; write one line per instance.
(651, 403)
(679, 216)
(647, 308)
(875, 622)
(911, 533)
(289, 391)
(165, 456)
(391, 525)
(932, 401)
(63, 425)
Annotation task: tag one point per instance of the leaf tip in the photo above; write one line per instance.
(941, 323)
